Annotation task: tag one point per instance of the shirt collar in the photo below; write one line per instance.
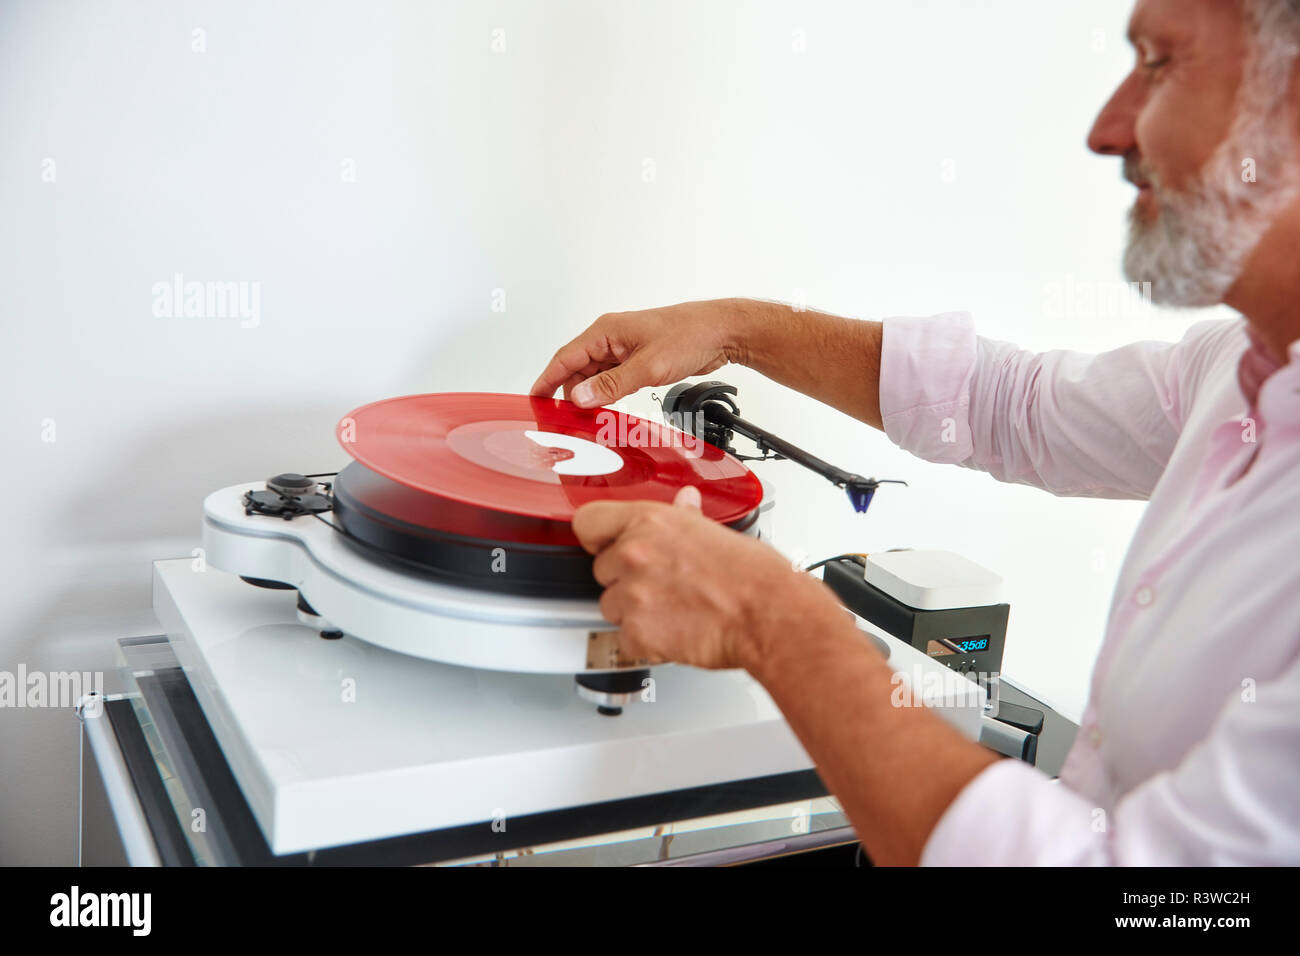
(1258, 364)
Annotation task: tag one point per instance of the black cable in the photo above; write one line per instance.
(856, 558)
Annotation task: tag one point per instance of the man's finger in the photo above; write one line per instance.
(569, 360)
(593, 368)
(612, 384)
(688, 496)
(614, 608)
(608, 567)
(598, 523)
(612, 605)
(569, 384)
(633, 647)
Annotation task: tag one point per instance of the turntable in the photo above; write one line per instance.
(393, 649)
(449, 536)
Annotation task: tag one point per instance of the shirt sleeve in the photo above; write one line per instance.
(1071, 423)
(1230, 802)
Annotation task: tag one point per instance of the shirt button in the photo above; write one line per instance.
(1144, 596)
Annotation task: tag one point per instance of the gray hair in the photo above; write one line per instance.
(1276, 32)
(1275, 45)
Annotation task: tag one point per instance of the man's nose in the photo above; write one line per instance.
(1113, 133)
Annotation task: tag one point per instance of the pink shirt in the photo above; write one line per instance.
(1189, 747)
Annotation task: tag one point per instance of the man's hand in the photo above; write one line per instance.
(684, 588)
(625, 351)
(831, 359)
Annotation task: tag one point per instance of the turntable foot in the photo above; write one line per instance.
(309, 616)
(611, 691)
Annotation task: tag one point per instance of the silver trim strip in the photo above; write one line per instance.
(137, 841)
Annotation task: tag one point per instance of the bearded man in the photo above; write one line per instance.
(1189, 748)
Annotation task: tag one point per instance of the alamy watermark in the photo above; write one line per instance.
(191, 299)
(625, 431)
(48, 688)
(933, 687)
(126, 910)
(1088, 299)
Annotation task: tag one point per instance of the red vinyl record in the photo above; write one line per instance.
(540, 457)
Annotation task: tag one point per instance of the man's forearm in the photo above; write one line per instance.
(894, 770)
(832, 359)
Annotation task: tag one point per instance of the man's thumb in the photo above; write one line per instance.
(688, 496)
(610, 385)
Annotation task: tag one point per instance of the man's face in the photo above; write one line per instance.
(1184, 120)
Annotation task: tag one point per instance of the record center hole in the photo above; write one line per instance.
(558, 454)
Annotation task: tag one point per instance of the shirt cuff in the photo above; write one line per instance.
(926, 367)
(1013, 815)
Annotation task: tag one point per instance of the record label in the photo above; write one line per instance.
(520, 449)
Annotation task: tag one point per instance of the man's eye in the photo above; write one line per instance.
(1155, 64)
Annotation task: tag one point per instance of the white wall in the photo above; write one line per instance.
(913, 158)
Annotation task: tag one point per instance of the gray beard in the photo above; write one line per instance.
(1201, 237)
